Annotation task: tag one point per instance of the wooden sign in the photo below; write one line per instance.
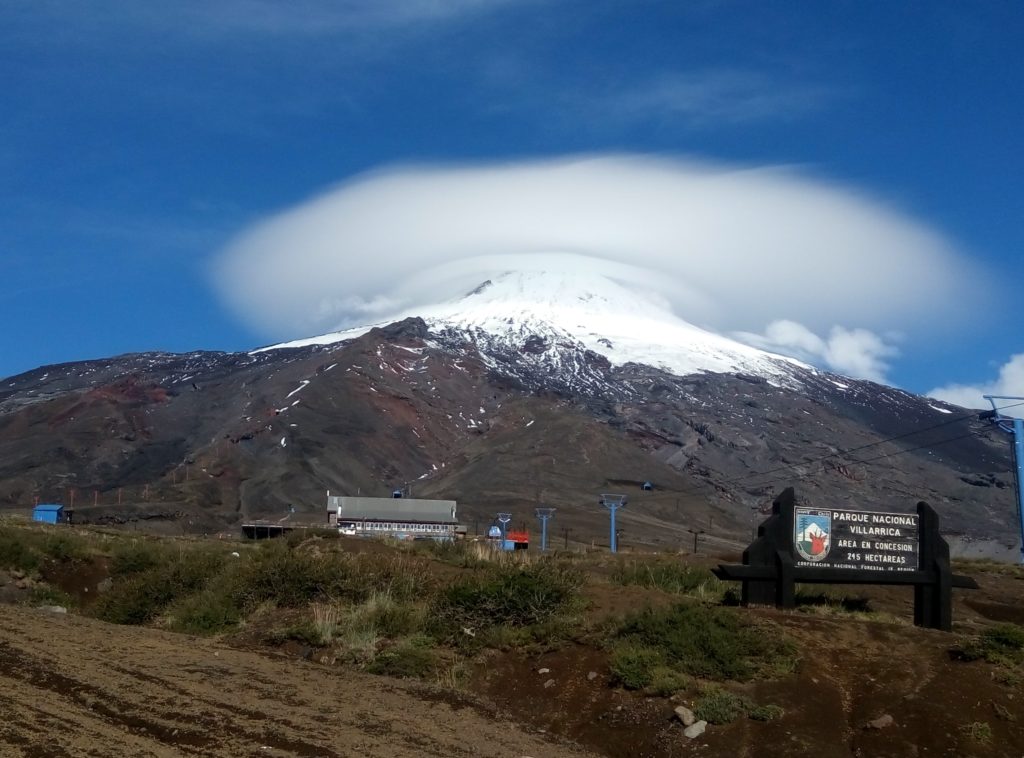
(834, 546)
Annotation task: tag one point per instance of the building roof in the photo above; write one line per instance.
(393, 509)
(47, 507)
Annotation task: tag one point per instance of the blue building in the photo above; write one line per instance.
(48, 513)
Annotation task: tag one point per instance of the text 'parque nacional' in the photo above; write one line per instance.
(863, 540)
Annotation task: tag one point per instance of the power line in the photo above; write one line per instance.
(919, 447)
(848, 451)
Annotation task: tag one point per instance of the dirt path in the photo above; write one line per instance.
(72, 686)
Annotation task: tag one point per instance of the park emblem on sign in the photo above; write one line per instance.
(812, 533)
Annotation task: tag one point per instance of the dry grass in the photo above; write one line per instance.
(325, 621)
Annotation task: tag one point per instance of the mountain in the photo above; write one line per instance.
(558, 314)
(533, 387)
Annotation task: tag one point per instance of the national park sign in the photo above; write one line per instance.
(862, 540)
(836, 546)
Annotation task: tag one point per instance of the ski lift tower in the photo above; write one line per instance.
(613, 503)
(544, 514)
(503, 519)
(1014, 426)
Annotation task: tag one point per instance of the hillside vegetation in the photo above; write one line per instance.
(581, 644)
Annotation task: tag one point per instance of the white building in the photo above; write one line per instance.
(403, 518)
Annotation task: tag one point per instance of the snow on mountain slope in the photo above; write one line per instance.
(548, 310)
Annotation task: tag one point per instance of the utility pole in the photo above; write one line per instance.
(613, 503)
(696, 533)
(544, 514)
(1015, 426)
(503, 519)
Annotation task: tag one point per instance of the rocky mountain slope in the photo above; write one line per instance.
(530, 389)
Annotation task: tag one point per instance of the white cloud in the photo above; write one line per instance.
(859, 353)
(1009, 382)
(731, 249)
(711, 97)
(308, 18)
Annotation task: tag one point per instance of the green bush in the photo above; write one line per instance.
(718, 706)
(977, 731)
(44, 594)
(207, 612)
(137, 556)
(633, 667)
(16, 552)
(708, 642)
(767, 713)
(139, 598)
(454, 552)
(25, 549)
(64, 547)
(296, 537)
(831, 599)
(675, 577)
(666, 681)
(293, 577)
(509, 595)
(410, 659)
(1000, 644)
(393, 618)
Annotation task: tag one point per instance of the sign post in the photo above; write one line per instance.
(832, 546)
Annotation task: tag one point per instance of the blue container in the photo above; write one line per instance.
(48, 513)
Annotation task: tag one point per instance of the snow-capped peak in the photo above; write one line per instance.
(572, 308)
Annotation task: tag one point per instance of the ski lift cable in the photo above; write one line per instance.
(858, 448)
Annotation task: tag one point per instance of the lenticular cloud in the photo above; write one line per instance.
(730, 249)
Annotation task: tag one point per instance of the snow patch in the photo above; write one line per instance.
(302, 385)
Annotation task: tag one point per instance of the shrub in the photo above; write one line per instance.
(44, 594)
(64, 547)
(675, 577)
(767, 713)
(718, 706)
(978, 731)
(15, 551)
(708, 642)
(25, 549)
(831, 600)
(412, 658)
(139, 598)
(296, 537)
(325, 622)
(455, 552)
(1000, 644)
(509, 595)
(666, 681)
(137, 556)
(207, 612)
(633, 667)
(292, 578)
(392, 618)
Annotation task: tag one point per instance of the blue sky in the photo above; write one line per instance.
(136, 142)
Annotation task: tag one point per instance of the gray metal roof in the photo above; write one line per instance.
(393, 509)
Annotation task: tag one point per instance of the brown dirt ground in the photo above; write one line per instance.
(73, 686)
(852, 671)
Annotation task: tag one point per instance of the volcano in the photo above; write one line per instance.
(534, 387)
